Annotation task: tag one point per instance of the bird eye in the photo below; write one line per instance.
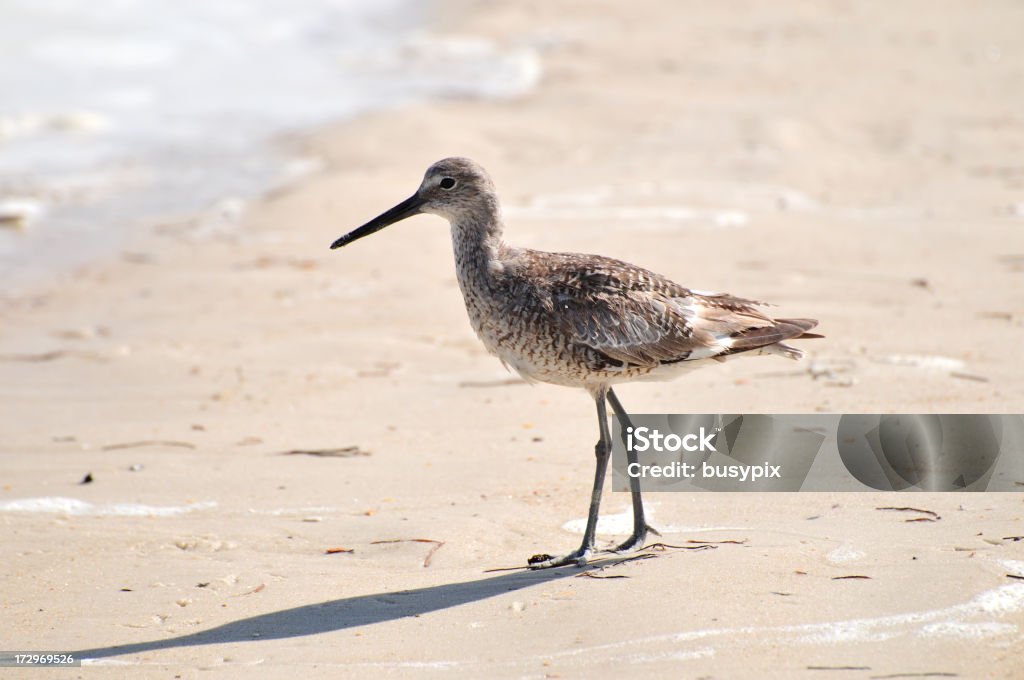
(447, 183)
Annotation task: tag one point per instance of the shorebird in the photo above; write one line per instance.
(584, 321)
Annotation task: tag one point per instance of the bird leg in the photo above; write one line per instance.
(640, 527)
(602, 451)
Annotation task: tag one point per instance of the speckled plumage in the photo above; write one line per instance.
(580, 320)
(586, 320)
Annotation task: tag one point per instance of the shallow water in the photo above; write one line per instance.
(117, 112)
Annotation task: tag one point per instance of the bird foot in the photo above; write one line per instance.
(582, 555)
(636, 541)
(577, 558)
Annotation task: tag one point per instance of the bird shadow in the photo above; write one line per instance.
(349, 612)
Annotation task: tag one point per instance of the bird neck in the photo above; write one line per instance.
(478, 246)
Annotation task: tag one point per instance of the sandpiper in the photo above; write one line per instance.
(581, 320)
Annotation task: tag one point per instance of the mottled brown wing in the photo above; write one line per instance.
(637, 317)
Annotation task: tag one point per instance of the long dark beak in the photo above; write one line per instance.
(407, 208)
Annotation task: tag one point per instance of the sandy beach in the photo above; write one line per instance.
(859, 163)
